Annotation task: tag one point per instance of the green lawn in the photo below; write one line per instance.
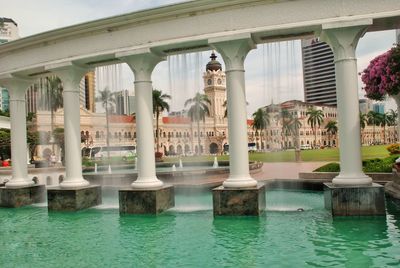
(378, 151)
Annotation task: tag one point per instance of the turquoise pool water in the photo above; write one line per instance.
(189, 236)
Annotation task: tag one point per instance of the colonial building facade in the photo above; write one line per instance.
(178, 135)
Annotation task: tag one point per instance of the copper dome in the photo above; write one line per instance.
(213, 65)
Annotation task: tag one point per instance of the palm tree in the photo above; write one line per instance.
(295, 125)
(51, 98)
(286, 117)
(159, 106)
(261, 122)
(315, 118)
(363, 124)
(198, 111)
(107, 98)
(331, 128)
(385, 121)
(374, 120)
(393, 120)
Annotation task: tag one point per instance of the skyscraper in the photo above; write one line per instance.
(318, 72)
(8, 32)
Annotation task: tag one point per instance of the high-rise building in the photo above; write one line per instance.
(379, 107)
(318, 72)
(4, 100)
(87, 91)
(124, 102)
(35, 93)
(366, 105)
(8, 32)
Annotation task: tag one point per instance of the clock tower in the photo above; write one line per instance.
(215, 87)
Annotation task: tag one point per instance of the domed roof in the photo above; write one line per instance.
(213, 64)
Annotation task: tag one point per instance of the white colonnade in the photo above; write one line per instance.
(343, 39)
(71, 76)
(234, 52)
(142, 63)
(17, 88)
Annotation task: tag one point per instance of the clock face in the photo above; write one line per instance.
(219, 81)
(209, 81)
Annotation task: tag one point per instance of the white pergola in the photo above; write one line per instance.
(143, 39)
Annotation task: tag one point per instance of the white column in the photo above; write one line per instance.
(343, 39)
(142, 64)
(71, 76)
(234, 53)
(17, 88)
(397, 100)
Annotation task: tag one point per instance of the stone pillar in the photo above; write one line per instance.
(71, 76)
(234, 52)
(142, 64)
(17, 88)
(343, 39)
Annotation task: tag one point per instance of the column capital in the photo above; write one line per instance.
(343, 37)
(16, 86)
(142, 62)
(69, 73)
(233, 49)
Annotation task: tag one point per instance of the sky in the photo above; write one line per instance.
(273, 71)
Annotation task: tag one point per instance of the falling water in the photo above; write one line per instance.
(95, 167)
(180, 163)
(215, 164)
(282, 79)
(110, 76)
(185, 77)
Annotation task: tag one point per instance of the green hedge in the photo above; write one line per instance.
(372, 165)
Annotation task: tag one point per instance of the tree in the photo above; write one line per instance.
(285, 117)
(315, 118)
(393, 122)
(52, 98)
(107, 98)
(384, 121)
(260, 122)
(332, 129)
(363, 124)
(159, 106)
(294, 127)
(374, 120)
(59, 139)
(382, 78)
(198, 111)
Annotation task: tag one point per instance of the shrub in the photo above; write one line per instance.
(394, 148)
(330, 167)
(372, 165)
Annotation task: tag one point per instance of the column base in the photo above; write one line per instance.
(146, 201)
(364, 200)
(239, 201)
(147, 183)
(245, 182)
(23, 196)
(60, 199)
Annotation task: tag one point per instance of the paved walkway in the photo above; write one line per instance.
(280, 170)
(286, 170)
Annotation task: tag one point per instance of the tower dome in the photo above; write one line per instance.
(213, 64)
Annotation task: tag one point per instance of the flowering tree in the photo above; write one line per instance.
(382, 77)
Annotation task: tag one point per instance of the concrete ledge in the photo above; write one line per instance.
(328, 176)
(355, 200)
(18, 197)
(74, 199)
(239, 201)
(146, 201)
